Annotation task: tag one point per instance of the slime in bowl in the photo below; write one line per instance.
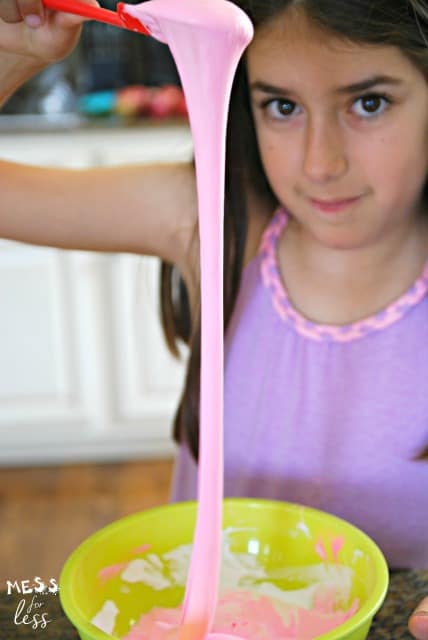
(330, 570)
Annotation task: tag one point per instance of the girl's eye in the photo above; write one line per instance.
(279, 108)
(371, 105)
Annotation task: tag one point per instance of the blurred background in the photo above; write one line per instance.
(93, 80)
(87, 387)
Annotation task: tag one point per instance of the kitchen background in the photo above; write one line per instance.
(87, 387)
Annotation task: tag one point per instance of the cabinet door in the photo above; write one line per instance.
(41, 399)
(148, 379)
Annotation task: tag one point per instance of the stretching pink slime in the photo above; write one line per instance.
(206, 38)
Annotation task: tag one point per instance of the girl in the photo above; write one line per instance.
(325, 307)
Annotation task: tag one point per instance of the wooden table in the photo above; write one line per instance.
(407, 588)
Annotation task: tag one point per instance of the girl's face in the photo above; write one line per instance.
(342, 131)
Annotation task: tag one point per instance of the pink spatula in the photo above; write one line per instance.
(120, 19)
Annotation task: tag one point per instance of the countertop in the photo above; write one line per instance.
(72, 122)
(406, 589)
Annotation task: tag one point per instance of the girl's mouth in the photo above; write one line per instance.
(333, 206)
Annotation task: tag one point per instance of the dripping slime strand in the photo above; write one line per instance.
(206, 39)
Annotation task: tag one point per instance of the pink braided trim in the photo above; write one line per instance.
(320, 332)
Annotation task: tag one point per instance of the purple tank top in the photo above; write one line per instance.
(330, 417)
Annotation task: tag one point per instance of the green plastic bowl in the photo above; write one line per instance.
(278, 533)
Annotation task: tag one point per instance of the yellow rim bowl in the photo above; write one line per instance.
(278, 533)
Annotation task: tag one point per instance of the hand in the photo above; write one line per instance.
(418, 621)
(37, 35)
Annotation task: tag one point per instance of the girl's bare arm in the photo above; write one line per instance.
(148, 209)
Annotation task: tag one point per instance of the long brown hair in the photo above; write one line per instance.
(400, 23)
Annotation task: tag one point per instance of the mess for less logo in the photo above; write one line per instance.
(31, 611)
(26, 587)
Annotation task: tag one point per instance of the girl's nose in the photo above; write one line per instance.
(325, 157)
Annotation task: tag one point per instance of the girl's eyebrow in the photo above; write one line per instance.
(364, 85)
(369, 84)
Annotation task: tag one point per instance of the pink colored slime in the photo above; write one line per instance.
(250, 616)
(206, 39)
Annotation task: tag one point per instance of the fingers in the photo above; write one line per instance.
(66, 20)
(9, 11)
(418, 622)
(31, 11)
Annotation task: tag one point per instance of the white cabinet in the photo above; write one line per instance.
(84, 372)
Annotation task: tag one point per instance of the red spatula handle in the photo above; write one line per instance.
(95, 13)
(84, 10)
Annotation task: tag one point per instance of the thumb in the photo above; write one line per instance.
(418, 621)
